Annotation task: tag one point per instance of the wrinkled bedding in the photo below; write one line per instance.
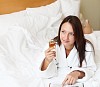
(18, 55)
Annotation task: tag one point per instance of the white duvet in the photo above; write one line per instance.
(17, 57)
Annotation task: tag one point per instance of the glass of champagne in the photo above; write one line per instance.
(52, 43)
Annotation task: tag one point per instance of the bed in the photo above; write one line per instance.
(25, 27)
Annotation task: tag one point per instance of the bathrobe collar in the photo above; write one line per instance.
(67, 61)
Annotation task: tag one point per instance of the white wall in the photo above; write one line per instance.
(91, 10)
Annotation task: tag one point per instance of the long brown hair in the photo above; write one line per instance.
(80, 41)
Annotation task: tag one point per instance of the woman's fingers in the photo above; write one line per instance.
(69, 80)
(64, 82)
(49, 49)
(50, 54)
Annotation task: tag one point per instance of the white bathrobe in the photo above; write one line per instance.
(61, 66)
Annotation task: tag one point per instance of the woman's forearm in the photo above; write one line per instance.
(45, 64)
(81, 74)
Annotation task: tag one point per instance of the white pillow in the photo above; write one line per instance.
(92, 38)
(66, 7)
(42, 29)
(97, 57)
(37, 23)
(48, 10)
(97, 34)
(8, 20)
(98, 42)
(70, 7)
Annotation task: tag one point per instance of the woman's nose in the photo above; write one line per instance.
(67, 36)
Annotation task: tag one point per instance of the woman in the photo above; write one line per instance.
(73, 59)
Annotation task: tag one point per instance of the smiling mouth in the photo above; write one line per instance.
(65, 41)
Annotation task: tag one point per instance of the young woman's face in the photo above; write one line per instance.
(67, 35)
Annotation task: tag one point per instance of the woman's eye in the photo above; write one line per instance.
(71, 33)
(63, 31)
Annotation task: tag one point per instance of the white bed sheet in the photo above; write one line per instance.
(17, 59)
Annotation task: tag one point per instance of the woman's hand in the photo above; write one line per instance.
(50, 54)
(71, 78)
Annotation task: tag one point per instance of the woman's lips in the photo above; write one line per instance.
(65, 41)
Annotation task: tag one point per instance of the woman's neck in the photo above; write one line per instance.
(67, 52)
(68, 49)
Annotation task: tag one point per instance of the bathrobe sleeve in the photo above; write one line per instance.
(51, 70)
(89, 67)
